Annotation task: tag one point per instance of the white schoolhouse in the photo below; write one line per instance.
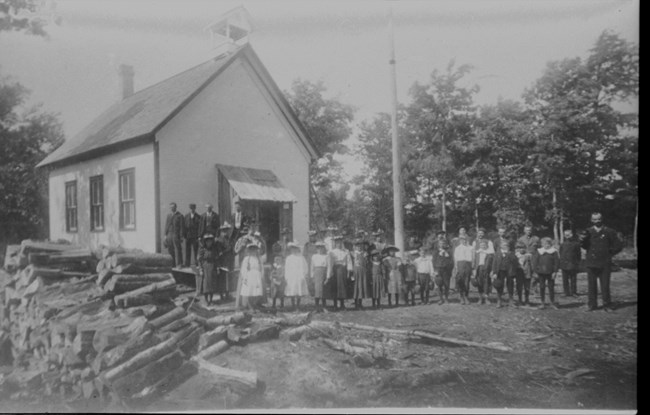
(215, 133)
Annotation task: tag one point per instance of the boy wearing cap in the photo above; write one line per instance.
(483, 262)
(524, 272)
(424, 268)
(463, 261)
(410, 277)
(443, 266)
(570, 256)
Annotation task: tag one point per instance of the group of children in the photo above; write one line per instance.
(366, 272)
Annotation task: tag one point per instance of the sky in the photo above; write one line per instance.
(345, 44)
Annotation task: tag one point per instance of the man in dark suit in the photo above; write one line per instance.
(601, 244)
(239, 221)
(192, 224)
(209, 222)
(174, 231)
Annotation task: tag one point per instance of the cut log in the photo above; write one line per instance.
(167, 318)
(105, 340)
(165, 385)
(28, 246)
(119, 284)
(236, 318)
(83, 343)
(420, 334)
(145, 357)
(264, 333)
(149, 289)
(104, 276)
(177, 324)
(241, 382)
(158, 310)
(38, 258)
(208, 339)
(148, 375)
(190, 344)
(214, 350)
(12, 254)
(296, 333)
(110, 251)
(144, 259)
(101, 265)
(137, 301)
(125, 351)
(285, 319)
(139, 269)
(71, 256)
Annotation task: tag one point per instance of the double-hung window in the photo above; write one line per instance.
(97, 203)
(127, 199)
(71, 206)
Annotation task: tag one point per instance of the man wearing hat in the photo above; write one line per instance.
(441, 239)
(209, 221)
(174, 230)
(192, 223)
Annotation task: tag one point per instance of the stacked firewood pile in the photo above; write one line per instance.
(105, 327)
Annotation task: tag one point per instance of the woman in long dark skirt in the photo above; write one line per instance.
(207, 258)
(341, 268)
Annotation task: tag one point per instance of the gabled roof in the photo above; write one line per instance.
(136, 119)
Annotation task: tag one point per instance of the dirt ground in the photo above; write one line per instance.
(561, 359)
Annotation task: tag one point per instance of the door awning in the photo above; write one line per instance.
(256, 184)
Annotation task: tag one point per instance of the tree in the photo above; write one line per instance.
(27, 136)
(22, 16)
(439, 122)
(329, 123)
(578, 126)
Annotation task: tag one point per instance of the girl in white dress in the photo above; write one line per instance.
(251, 276)
(295, 275)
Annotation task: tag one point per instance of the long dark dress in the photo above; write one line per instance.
(341, 264)
(207, 258)
(361, 289)
(377, 270)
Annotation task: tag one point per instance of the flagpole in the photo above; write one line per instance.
(397, 168)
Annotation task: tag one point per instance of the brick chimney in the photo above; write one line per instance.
(126, 80)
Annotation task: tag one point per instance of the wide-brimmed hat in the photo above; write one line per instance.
(378, 232)
(390, 248)
(332, 228)
(208, 236)
(293, 244)
(252, 245)
(414, 252)
(225, 225)
(320, 244)
(374, 252)
(312, 232)
(337, 237)
(441, 232)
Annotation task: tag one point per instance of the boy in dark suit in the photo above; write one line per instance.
(570, 256)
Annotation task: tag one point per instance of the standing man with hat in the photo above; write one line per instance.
(192, 224)
(174, 231)
(601, 244)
